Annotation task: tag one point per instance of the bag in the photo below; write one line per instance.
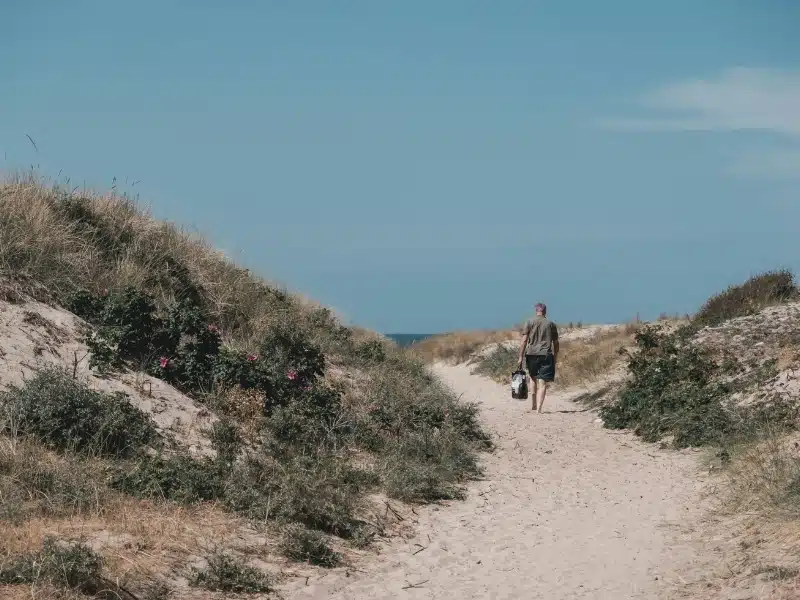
(519, 385)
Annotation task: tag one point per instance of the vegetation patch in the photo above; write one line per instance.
(227, 573)
(36, 483)
(62, 566)
(64, 414)
(748, 298)
(314, 415)
(298, 543)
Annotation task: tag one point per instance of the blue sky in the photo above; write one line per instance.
(425, 166)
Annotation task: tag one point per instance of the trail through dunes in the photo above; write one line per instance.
(567, 510)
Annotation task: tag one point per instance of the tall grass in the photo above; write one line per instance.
(54, 242)
(460, 346)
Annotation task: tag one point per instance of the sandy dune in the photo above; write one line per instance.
(567, 510)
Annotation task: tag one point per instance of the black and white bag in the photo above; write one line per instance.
(519, 385)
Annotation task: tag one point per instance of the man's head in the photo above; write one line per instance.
(541, 309)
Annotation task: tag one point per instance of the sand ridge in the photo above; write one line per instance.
(567, 510)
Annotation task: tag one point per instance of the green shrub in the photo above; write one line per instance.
(76, 567)
(748, 298)
(427, 466)
(66, 415)
(308, 419)
(179, 478)
(371, 352)
(298, 543)
(226, 573)
(180, 347)
(321, 492)
(227, 441)
(497, 364)
(672, 390)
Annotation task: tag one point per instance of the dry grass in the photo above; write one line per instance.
(582, 359)
(459, 346)
(53, 242)
(143, 543)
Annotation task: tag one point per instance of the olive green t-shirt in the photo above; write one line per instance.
(541, 333)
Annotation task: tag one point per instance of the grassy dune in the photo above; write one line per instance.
(317, 424)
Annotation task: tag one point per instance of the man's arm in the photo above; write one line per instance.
(523, 343)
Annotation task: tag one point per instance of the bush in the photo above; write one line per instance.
(298, 543)
(180, 347)
(178, 478)
(748, 298)
(66, 415)
(428, 466)
(672, 391)
(309, 419)
(227, 441)
(321, 492)
(77, 567)
(226, 573)
(371, 352)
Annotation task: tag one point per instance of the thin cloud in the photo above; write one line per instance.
(783, 164)
(738, 99)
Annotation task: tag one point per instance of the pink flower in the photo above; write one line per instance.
(291, 374)
(306, 388)
(164, 362)
(372, 408)
(252, 357)
(213, 328)
(104, 292)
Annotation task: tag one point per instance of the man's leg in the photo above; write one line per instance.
(534, 391)
(541, 390)
(547, 373)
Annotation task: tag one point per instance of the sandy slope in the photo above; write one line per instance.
(567, 510)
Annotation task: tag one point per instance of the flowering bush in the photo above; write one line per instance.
(184, 348)
(180, 347)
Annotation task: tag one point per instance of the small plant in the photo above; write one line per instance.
(371, 351)
(75, 567)
(227, 573)
(227, 441)
(66, 415)
(178, 478)
(298, 543)
(321, 492)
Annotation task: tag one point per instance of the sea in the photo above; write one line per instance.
(406, 339)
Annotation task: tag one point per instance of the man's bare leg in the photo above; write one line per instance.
(541, 390)
(534, 391)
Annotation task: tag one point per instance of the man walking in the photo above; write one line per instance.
(539, 349)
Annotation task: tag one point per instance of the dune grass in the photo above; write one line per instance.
(368, 417)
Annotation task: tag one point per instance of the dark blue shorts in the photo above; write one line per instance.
(541, 367)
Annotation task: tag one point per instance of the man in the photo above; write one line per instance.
(539, 349)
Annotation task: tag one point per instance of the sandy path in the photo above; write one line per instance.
(567, 510)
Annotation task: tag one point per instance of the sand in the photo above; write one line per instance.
(567, 510)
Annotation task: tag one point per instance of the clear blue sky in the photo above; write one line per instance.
(422, 166)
